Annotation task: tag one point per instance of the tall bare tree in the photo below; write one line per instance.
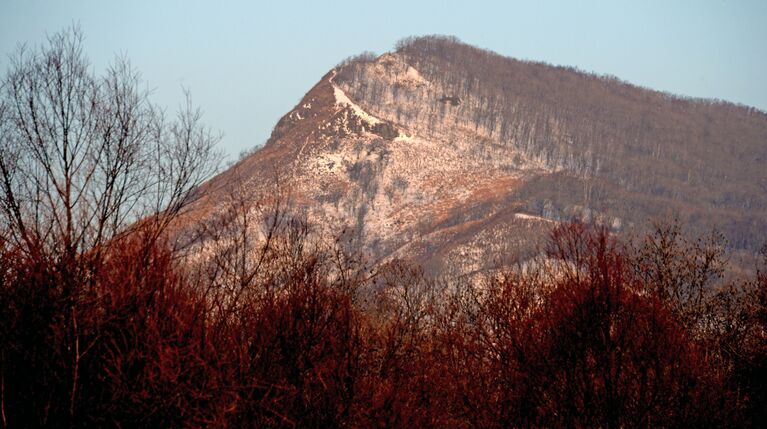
(82, 156)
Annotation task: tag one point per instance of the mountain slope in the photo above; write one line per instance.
(452, 155)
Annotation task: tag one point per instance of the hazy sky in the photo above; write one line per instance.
(248, 62)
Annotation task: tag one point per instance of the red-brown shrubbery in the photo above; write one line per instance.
(576, 339)
(613, 355)
(122, 341)
(103, 325)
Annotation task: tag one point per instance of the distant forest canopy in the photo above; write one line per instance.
(618, 149)
(434, 44)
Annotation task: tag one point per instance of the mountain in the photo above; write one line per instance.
(453, 156)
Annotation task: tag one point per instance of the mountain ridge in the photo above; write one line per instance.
(447, 154)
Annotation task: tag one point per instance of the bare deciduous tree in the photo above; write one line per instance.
(83, 157)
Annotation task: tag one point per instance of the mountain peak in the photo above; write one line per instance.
(445, 153)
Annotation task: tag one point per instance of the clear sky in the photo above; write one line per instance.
(249, 62)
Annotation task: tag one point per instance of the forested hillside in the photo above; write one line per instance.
(612, 147)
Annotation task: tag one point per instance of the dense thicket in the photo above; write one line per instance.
(597, 333)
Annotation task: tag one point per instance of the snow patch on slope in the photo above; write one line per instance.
(392, 68)
(343, 100)
(412, 75)
(531, 217)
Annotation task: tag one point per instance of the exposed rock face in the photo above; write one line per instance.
(453, 156)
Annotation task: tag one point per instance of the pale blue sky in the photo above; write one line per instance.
(247, 62)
